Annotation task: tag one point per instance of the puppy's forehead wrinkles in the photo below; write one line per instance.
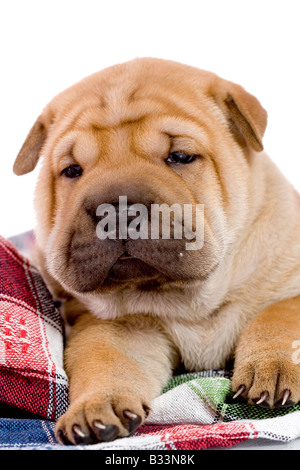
(64, 144)
(86, 147)
(79, 144)
(118, 106)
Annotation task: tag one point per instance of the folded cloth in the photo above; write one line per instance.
(32, 377)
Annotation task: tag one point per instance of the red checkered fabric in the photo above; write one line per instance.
(195, 437)
(32, 377)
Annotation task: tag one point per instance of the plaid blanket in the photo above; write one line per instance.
(32, 377)
(196, 411)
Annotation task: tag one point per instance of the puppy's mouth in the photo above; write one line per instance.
(128, 268)
(86, 264)
(125, 256)
(92, 267)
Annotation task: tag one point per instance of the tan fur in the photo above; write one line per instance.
(128, 336)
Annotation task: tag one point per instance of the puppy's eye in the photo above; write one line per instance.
(179, 157)
(72, 171)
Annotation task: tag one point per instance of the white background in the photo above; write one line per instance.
(47, 45)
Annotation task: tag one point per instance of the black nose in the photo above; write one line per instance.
(114, 218)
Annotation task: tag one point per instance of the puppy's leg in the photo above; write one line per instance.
(267, 369)
(115, 369)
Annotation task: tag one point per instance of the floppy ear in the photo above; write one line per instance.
(247, 118)
(30, 151)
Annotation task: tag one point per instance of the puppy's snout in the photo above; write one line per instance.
(115, 218)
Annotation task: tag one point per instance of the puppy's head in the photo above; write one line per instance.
(131, 151)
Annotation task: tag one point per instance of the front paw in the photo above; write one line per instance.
(267, 379)
(101, 417)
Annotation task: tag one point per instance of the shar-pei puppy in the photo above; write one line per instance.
(170, 237)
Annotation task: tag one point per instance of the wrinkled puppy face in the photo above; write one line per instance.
(120, 149)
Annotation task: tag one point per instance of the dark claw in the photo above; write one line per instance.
(133, 420)
(285, 400)
(146, 410)
(261, 401)
(61, 438)
(240, 391)
(80, 437)
(105, 432)
(286, 396)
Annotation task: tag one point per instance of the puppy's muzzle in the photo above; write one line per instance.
(112, 244)
(115, 219)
